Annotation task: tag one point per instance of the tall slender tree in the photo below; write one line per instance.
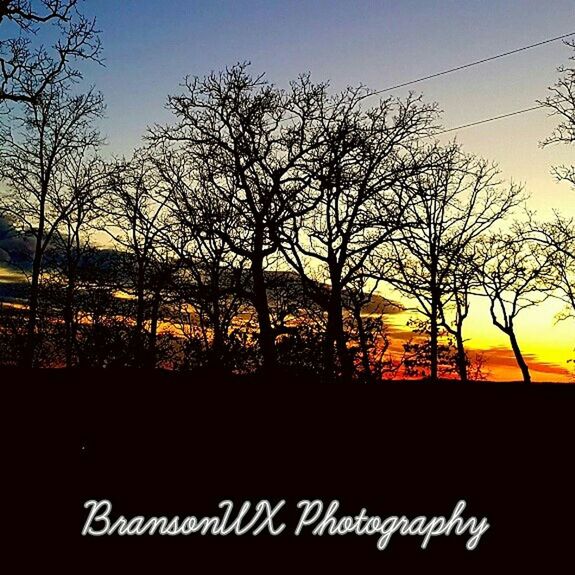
(210, 276)
(84, 176)
(37, 150)
(133, 215)
(514, 274)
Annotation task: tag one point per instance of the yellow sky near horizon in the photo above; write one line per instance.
(547, 344)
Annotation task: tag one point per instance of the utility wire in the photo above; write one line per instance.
(516, 113)
(463, 67)
(471, 64)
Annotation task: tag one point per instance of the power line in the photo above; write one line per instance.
(492, 119)
(463, 67)
(471, 64)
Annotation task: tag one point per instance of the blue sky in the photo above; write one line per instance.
(150, 45)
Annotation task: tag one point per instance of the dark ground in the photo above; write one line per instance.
(165, 444)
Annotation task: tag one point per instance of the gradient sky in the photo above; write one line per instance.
(150, 45)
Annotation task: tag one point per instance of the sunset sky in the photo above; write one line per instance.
(151, 45)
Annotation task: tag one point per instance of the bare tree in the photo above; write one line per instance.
(558, 238)
(85, 177)
(133, 213)
(514, 273)
(210, 276)
(26, 71)
(366, 326)
(561, 102)
(354, 176)
(37, 151)
(451, 203)
(249, 140)
(462, 284)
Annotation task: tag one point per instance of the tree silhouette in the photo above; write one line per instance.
(462, 283)
(104, 320)
(353, 177)
(255, 231)
(450, 203)
(210, 276)
(46, 139)
(368, 330)
(418, 356)
(249, 141)
(514, 274)
(134, 210)
(71, 246)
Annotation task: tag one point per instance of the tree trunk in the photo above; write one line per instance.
(519, 357)
(260, 301)
(433, 337)
(140, 310)
(217, 352)
(69, 319)
(329, 350)
(335, 334)
(363, 343)
(151, 361)
(29, 352)
(218, 339)
(31, 336)
(461, 357)
(217, 355)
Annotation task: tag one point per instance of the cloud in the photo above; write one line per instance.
(15, 247)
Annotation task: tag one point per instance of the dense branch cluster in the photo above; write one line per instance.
(561, 103)
(27, 67)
